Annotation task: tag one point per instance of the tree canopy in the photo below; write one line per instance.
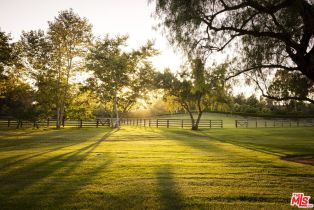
(268, 35)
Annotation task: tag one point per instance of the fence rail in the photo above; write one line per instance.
(160, 123)
(170, 123)
(276, 123)
(10, 123)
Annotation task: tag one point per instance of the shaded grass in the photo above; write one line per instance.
(149, 168)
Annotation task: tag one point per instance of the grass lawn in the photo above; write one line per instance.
(150, 168)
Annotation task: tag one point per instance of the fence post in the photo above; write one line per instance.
(48, 122)
(97, 123)
(9, 122)
(149, 123)
(182, 123)
(63, 122)
(157, 123)
(167, 123)
(81, 123)
(222, 124)
(34, 123)
(236, 123)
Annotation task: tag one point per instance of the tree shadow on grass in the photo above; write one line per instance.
(170, 197)
(44, 139)
(18, 159)
(57, 169)
(193, 139)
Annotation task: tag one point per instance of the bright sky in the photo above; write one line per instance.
(107, 16)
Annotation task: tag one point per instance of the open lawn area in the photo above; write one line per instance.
(150, 168)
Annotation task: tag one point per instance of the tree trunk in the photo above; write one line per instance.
(115, 111)
(58, 122)
(195, 127)
(62, 114)
(192, 120)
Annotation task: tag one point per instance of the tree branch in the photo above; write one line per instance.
(261, 67)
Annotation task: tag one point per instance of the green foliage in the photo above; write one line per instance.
(36, 63)
(291, 83)
(197, 90)
(5, 51)
(120, 78)
(82, 105)
(18, 100)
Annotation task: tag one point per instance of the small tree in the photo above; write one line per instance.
(195, 90)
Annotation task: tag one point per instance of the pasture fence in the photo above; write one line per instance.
(141, 122)
(13, 123)
(160, 123)
(170, 123)
(274, 123)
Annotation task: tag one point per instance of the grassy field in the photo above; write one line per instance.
(149, 168)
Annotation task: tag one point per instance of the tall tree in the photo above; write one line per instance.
(195, 90)
(271, 35)
(37, 63)
(118, 75)
(70, 37)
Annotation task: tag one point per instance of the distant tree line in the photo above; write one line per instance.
(254, 105)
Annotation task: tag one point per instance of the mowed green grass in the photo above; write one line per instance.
(150, 168)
